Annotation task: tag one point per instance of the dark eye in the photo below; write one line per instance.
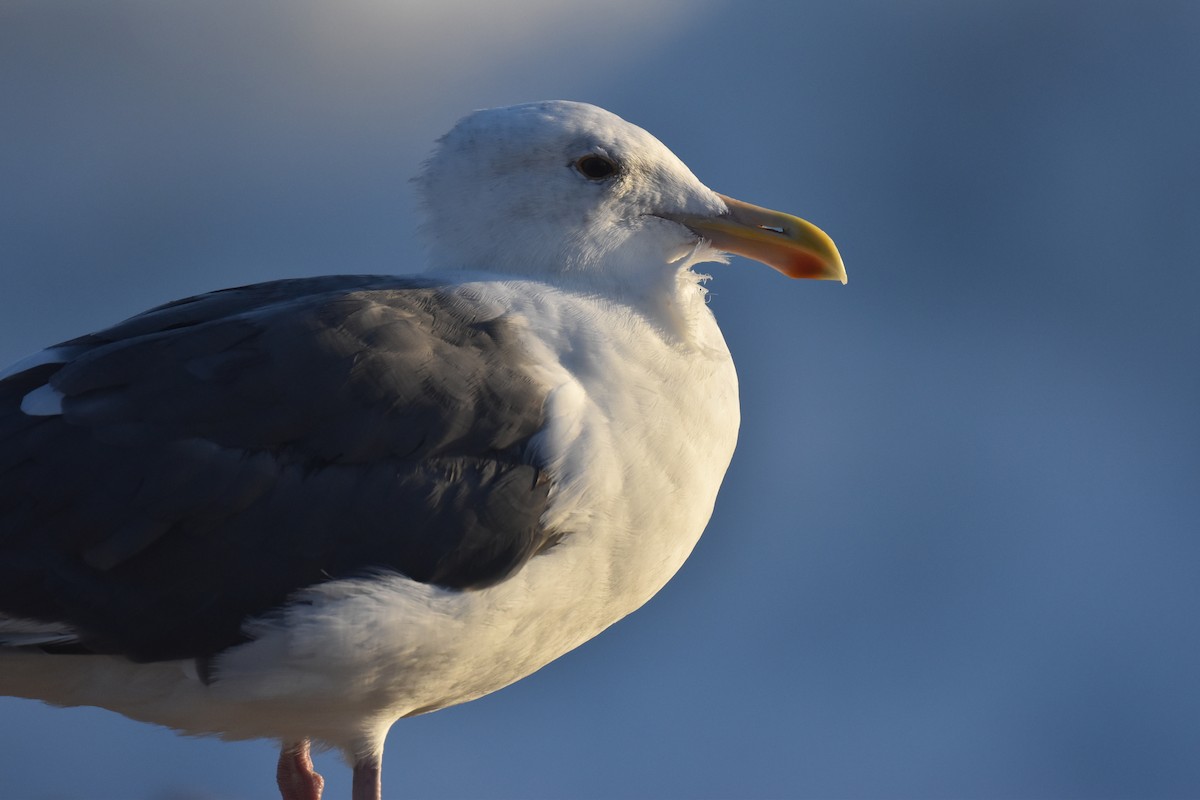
(595, 168)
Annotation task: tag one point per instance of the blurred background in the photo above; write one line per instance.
(956, 554)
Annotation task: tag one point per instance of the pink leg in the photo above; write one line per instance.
(295, 775)
(367, 775)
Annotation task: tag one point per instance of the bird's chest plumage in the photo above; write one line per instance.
(640, 434)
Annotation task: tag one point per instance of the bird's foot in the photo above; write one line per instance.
(295, 775)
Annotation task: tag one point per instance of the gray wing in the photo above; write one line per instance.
(215, 455)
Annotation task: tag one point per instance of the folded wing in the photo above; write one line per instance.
(184, 471)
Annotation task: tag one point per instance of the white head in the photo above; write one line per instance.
(568, 189)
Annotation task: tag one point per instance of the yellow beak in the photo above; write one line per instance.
(791, 245)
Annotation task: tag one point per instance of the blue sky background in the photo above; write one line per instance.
(956, 554)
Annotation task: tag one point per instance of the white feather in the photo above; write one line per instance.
(44, 401)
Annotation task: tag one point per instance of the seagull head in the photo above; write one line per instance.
(572, 191)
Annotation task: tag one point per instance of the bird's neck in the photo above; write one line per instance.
(671, 297)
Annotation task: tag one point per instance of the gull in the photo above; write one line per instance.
(303, 510)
